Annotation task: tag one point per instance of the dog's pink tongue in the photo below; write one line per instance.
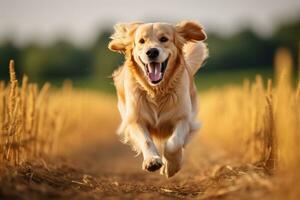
(154, 71)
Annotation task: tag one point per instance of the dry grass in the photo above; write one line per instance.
(257, 123)
(33, 121)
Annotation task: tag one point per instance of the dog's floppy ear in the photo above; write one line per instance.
(123, 36)
(190, 31)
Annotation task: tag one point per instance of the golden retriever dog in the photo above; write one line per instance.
(157, 97)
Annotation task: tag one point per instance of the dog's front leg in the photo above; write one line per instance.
(173, 149)
(142, 140)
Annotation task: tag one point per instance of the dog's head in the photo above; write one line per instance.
(155, 47)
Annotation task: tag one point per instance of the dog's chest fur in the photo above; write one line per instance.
(160, 113)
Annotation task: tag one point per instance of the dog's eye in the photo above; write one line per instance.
(142, 41)
(163, 39)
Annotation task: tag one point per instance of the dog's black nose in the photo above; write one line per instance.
(152, 53)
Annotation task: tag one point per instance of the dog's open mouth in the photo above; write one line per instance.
(155, 71)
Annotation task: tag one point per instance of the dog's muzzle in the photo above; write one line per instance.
(155, 71)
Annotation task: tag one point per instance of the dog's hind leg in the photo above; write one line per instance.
(143, 142)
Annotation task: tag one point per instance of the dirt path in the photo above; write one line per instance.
(109, 170)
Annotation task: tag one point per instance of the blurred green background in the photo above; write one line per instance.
(233, 57)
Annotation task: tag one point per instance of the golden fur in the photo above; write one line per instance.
(164, 111)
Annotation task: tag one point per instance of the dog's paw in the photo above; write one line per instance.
(172, 163)
(170, 168)
(152, 164)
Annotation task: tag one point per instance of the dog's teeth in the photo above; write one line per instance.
(150, 68)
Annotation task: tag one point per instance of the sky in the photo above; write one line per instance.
(81, 20)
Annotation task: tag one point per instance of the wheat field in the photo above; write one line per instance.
(258, 123)
(34, 121)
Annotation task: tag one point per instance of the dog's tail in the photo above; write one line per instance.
(195, 54)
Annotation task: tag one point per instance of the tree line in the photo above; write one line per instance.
(62, 59)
